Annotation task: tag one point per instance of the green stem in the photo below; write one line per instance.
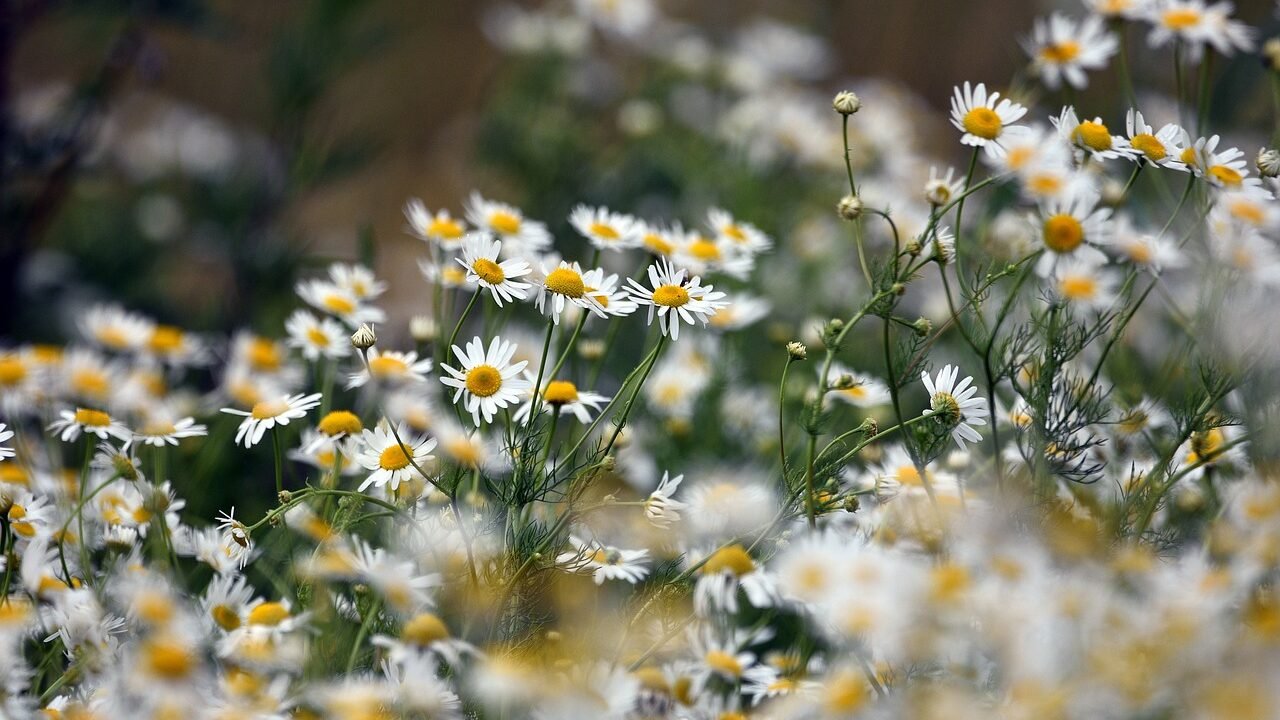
(453, 337)
(364, 630)
(279, 459)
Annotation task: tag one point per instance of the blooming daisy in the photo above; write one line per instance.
(858, 389)
(1158, 147)
(1083, 285)
(519, 235)
(87, 420)
(1125, 9)
(661, 507)
(725, 571)
(564, 285)
(1091, 136)
(480, 258)
(740, 312)
(317, 337)
(986, 120)
(357, 280)
(605, 562)
(267, 414)
(741, 235)
(605, 230)
(391, 367)
(1060, 48)
(1144, 249)
(338, 301)
(469, 448)
(941, 189)
(955, 404)
(703, 254)
(114, 328)
(1228, 169)
(604, 289)
(391, 462)
(659, 241)
(5, 435)
(487, 381)
(237, 545)
(171, 345)
(160, 430)
(1195, 24)
(676, 298)
(1075, 226)
(564, 397)
(439, 227)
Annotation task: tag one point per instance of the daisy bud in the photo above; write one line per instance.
(846, 103)
(423, 329)
(608, 463)
(898, 288)
(851, 504)
(844, 382)
(869, 428)
(913, 248)
(363, 338)
(849, 207)
(797, 350)
(1268, 162)
(922, 326)
(285, 496)
(1271, 54)
(937, 193)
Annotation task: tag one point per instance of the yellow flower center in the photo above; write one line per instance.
(484, 380)
(339, 422)
(165, 339)
(155, 608)
(268, 613)
(1140, 253)
(92, 418)
(1078, 287)
(845, 695)
(1150, 146)
(505, 222)
(1063, 233)
(113, 337)
(560, 392)
(704, 249)
(393, 458)
(1227, 176)
(387, 366)
(168, 660)
(671, 296)
(317, 337)
(444, 228)
(734, 559)
(268, 409)
(908, 475)
(90, 382)
(1019, 157)
(226, 618)
(1063, 52)
(13, 474)
(1180, 18)
(263, 354)
(1044, 184)
(983, 122)
(1188, 156)
(723, 663)
(565, 281)
(949, 582)
(12, 371)
(338, 304)
(464, 452)
(735, 232)
(424, 629)
(657, 244)
(453, 276)
(1092, 135)
(488, 271)
(1245, 210)
(603, 231)
(158, 427)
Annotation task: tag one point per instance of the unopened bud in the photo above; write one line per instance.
(913, 248)
(849, 207)
(846, 103)
(285, 496)
(851, 504)
(608, 463)
(898, 288)
(423, 329)
(1268, 162)
(363, 338)
(797, 351)
(922, 326)
(869, 428)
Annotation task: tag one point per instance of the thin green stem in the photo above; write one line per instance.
(453, 337)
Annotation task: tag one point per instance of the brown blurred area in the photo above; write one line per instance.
(418, 94)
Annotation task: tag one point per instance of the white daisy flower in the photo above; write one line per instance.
(392, 463)
(235, 542)
(317, 337)
(702, 254)
(742, 311)
(1195, 25)
(519, 235)
(606, 292)
(1083, 285)
(1091, 136)
(480, 259)
(357, 280)
(267, 414)
(661, 507)
(5, 435)
(160, 430)
(605, 230)
(955, 403)
(1158, 147)
(438, 227)
(564, 285)
(171, 345)
(676, 298)
(743, 236)
(657, 240)
(338, 301)
(986, 120)
(562, 396)
(93, 422)
(1144, 249)
(390, 367)
(487, 381)
(1060, 48)
(1124, 9)
(1073, 227)
(605, 562)
(1227, 169)
(941, 189)
(858, 389)
(114, 328)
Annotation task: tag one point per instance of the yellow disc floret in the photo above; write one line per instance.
(1063, 233)
(1092, 135)
(484, 380)
(92, 418)
(565, 281)
(560, 392)
(340, 422)
(393, 458)
(983, 122)
(488, 271)
(671, 296)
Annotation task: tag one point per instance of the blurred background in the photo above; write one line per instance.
(189, 158)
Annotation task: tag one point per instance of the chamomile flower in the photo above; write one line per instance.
(519, 235)
(1195, 25)
(564, 397)
(175, 347)
(1063, 49)
(357, 280)
(605, 562)
(676, 298)
(1227, 169)
(389, 367)
(700, 253)
(338, 301)
(858, 389)
(114, 328)
(1073, 227)
(564, 285)
(941, 189)
(390, 462)
(1124, 9)
(1145, 249)
(5, 435)
(438, 227)
(486, 381)
(741, 235)
(397, 580)
(1091, 137)
(725, 571)
(470, 449)
(606, 292)
(161, 430)
(987, 121)
(480, 259)
(446, 274)
(317, 337)
(267, 414)
(236, 543)
(605, 230)
(1084, 285)
(742, 311)
(1158, 147)
(954, 403)
(89, 421)
(661, 507)
(657, 240)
